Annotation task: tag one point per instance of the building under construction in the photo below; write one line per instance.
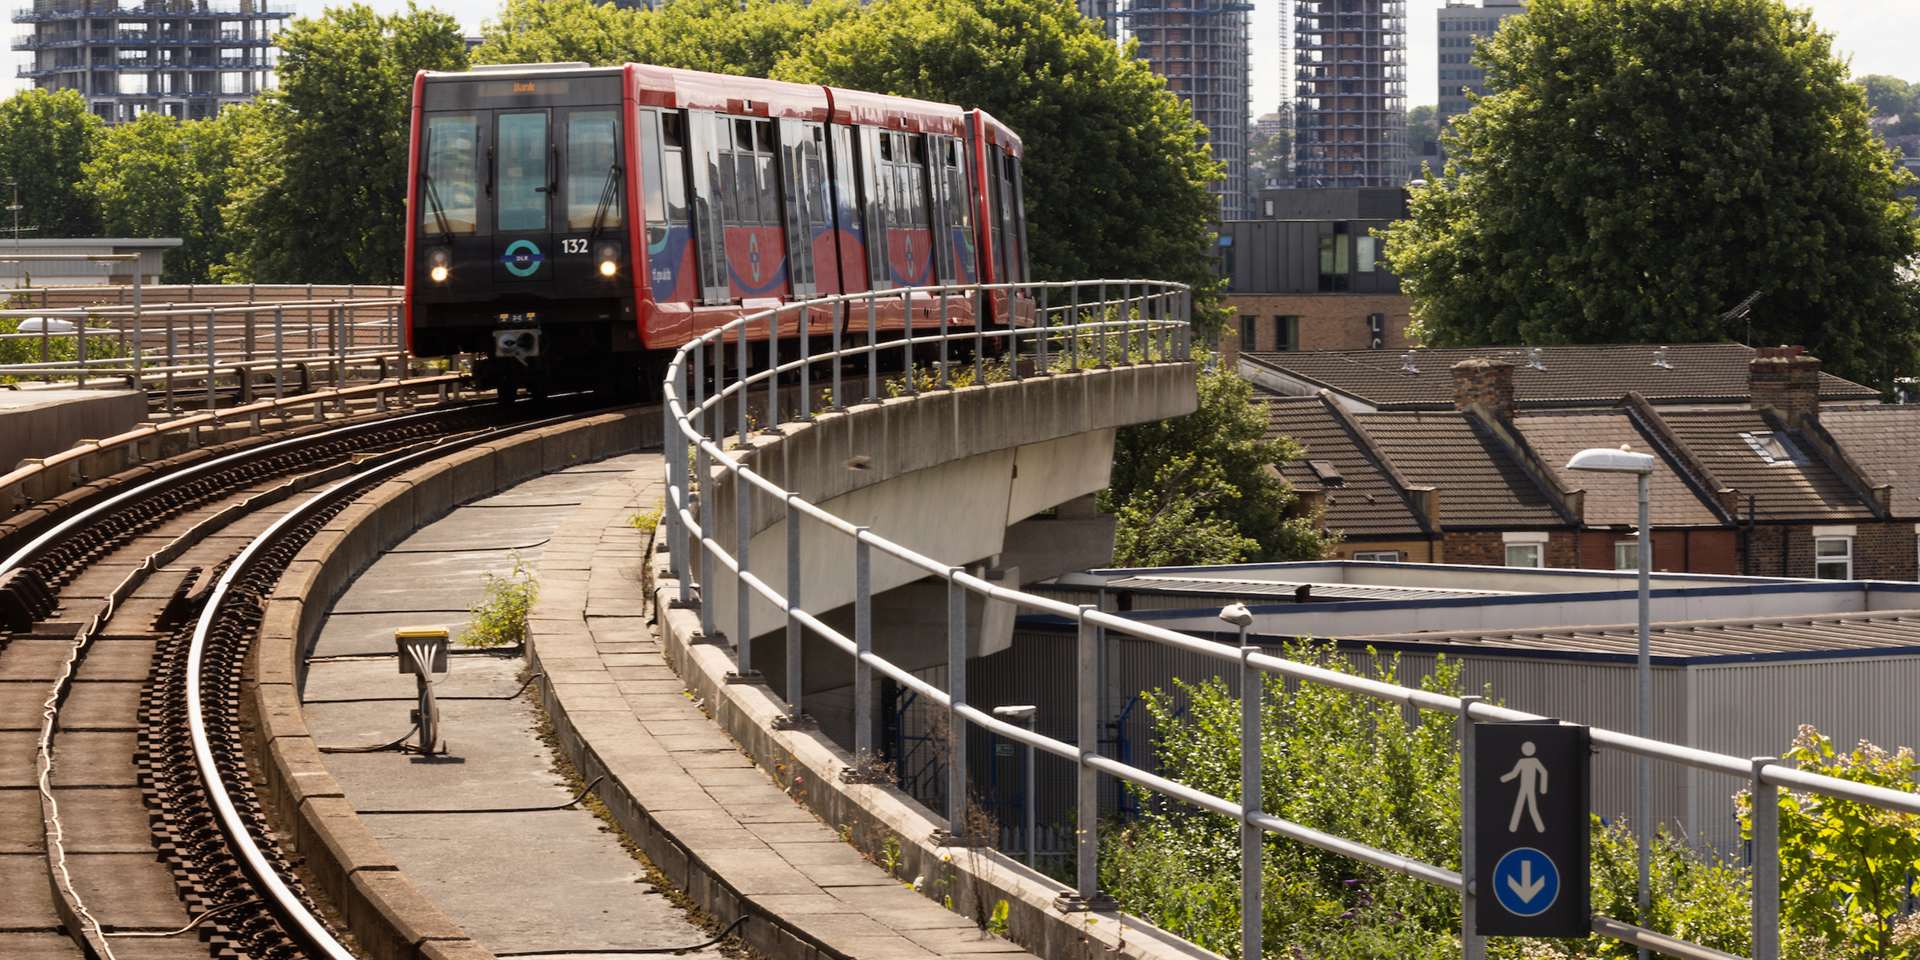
(182, 58)
(1202, 48)
(1350, 93)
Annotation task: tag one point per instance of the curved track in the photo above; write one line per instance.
(128, 618)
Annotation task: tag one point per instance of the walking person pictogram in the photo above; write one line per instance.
(1533, 776)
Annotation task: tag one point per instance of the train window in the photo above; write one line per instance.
(959, 212)
(673, 131)
(524, 183)
(743, 197)
(451, 184)
(593, 171)
(763, 136)
(662, 174)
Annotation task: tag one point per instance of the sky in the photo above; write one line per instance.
(1880, 36)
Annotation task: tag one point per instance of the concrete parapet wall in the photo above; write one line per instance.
(387, 915)
(41, 423)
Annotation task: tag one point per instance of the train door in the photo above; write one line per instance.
(802, 175)
(523, 180)
(954, 231)
(847, 211)
(663, 179)
(876, 202)
(591, 226)
(705, 133)
(749, 190)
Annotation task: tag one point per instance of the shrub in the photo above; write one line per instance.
(499, 617)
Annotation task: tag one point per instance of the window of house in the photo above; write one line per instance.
(1773, 448)
(1523, 555)
(1379, 556)
(1286, 333)
(1247, 330)
(1626, 555)
(1833, 558)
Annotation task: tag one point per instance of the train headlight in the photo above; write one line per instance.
(439, 274)
(609, 256)
(439, 259)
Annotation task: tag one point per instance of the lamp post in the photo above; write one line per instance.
(1624, 460)
(1024, 712)
(1251, 864)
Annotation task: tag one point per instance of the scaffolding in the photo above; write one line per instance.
(1203, 49)
(1350, 93)
(183, 58)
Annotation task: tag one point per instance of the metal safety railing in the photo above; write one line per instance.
(171, 347)
(1152, 315)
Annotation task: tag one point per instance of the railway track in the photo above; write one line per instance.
(128, 615)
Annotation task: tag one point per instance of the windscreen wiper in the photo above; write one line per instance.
(439, 213)
(607, 195)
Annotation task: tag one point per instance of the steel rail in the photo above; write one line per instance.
(282, 902)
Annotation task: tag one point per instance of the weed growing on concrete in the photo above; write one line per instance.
(646, 520)
(499, 618)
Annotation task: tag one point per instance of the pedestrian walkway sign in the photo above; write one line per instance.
(1531, 829)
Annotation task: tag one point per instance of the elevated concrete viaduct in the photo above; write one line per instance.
(961, 474)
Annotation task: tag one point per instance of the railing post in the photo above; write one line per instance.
(1764, 804)
(873, 354)
(1472, 945)
(980, 336)
(676, 491)
(1087, 829)
(806, 375)
(704, 471)
(1126, 321)
(862, 645)
(794, 689)
(80, 346)
(213, 399)
(1252, 836)
(957, 693)
(139, 342)
(773, 367)
(742, 594)
(906, 320)
(279, 349)
(1040, 343)
(838, 318)
(944, 358)
(1103, 325)
(745, 391)
(1073, 323)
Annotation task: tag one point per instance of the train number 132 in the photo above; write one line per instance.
(573, 246)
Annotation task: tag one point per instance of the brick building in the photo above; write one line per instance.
(1782, 472)
(1309, 273)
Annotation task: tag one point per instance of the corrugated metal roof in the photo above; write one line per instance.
(1693, 642)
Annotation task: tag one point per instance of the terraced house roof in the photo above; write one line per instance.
(1480, 485)
(1567, 376)
(1613, 499)
(1755, 454)
(1361, 501)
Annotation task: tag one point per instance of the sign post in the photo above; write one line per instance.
(1531, 829)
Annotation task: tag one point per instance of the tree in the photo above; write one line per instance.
(1887, 96)
(158, 177)
(45, 138)
(1197, 489)
(324, 194)
(741, 37)
(1116, 170)
(1421, 129)
(1639, 167)
(561, 31)
(1270, 152)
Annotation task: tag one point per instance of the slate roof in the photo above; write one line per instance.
(1802, 489)
(1365, 503)
(1613, 499)
(1885, 441)
(1698, 641)
(1480, 486)
(1583, 375)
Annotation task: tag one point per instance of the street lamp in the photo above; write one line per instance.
(1624, 460)
(1024, 712)
(1251, 865)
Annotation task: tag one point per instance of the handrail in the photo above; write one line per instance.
(695, 415)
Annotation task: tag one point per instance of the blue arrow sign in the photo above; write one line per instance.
(1526, 882)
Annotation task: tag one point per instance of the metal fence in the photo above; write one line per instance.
(240, 339)
(1070, 320)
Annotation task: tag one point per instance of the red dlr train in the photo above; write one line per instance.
(571, 224)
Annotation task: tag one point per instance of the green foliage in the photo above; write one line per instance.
(499, 617)
(561, 31)
(324, 191)
(45, 138)
(57, 346)
(1197, 490)
(1421, 128)
(1115, 168)
(646, 520)
(1887, 96)
(719, 36)
(1849, 870)
(1641, 166)
(1270, 152)
(158, 177)
(1347, 764)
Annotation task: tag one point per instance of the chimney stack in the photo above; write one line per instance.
(1484, 383)
(1787, 381)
